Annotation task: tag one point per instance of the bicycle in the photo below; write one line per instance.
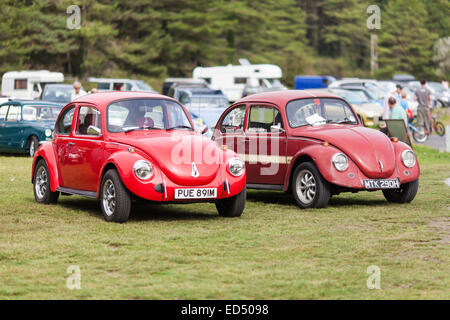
(438, 127)
(418, 135)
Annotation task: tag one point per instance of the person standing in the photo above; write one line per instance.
(78, 92)
(423, 98)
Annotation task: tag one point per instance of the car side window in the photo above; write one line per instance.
(13, 113)
(3, 111)
(87, 117)
(263, 117)
(233, 120)
(64, 124)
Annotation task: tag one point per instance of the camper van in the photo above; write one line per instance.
(28, 84)
(232, 79)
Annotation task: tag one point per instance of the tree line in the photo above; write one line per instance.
(153, 39)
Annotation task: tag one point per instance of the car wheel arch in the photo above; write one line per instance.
(301, 158)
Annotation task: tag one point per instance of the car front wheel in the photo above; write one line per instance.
(406, 192)
(233, 206)
(34, 144)
(41, 184)
(115, 200)
(309, 188)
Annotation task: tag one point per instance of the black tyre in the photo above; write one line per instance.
(115, 200)
(33, 145)
(41, 185)
(233, 206)
(440, 128)
(404, 194)
(309, 188)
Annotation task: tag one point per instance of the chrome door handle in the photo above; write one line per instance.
(246, 140)
(71, 143)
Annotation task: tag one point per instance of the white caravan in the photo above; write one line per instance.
(28, 84)
(233, 79)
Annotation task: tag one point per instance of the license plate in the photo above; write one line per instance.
(196, 193)
(382, 184)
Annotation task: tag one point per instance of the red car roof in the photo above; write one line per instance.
(282, 97)
(105, 98)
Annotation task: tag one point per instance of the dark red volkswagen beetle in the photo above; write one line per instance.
(121, 145)
(315, 145)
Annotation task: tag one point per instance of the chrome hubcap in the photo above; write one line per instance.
(306, 186)
(41, 182)
(109, 197)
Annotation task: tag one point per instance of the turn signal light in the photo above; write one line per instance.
(131, 150)
(325, 144)
(224, 147)
(394, 139)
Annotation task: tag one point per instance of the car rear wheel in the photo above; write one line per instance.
(41, 185)
(233, 206)
(406, 192)
(33, 145)
(115, 200)
(309, 188)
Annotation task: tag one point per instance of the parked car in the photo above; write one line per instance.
(375, 90)
(206, 104)
(60, 93)
(315, 146)
(171, 83)
(441, 95)
(24, 125)
(28, 84)
(108, 84)
(115, 146)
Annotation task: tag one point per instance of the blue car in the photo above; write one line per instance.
(24, 125)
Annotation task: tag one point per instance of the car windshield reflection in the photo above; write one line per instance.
(319, 111)
(145, 114)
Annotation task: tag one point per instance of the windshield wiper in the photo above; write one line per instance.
(136, 129)
(180, 127)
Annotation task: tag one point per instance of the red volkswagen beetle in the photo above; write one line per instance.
(121, 145)
(315, 145)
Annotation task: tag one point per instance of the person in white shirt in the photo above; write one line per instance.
(78, 92)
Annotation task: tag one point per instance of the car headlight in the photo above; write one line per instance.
(408, 158)
(236, 167)
(143, 169)
(340, 161)
(48, 133)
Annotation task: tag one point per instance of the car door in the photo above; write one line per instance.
(87, 149)
(265, 145)
(3, 113)
(62, 144)
(231, 130)
(12, 127)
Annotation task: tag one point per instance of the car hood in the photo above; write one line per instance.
(371, 150)
(370, 109)
(175, 152)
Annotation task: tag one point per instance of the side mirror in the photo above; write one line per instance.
(205, 130)
(276, 129)
(94, 131)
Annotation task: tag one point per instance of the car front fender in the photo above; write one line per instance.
(47, 153)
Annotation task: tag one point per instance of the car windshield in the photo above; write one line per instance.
(319, 111)
(142, 114)
(36, 112)
(207, 101)
(57, 93)
(354, 96)
(375, 92)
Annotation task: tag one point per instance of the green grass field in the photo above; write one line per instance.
(274, 251)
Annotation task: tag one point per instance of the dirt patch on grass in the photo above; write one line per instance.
(442, 226)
